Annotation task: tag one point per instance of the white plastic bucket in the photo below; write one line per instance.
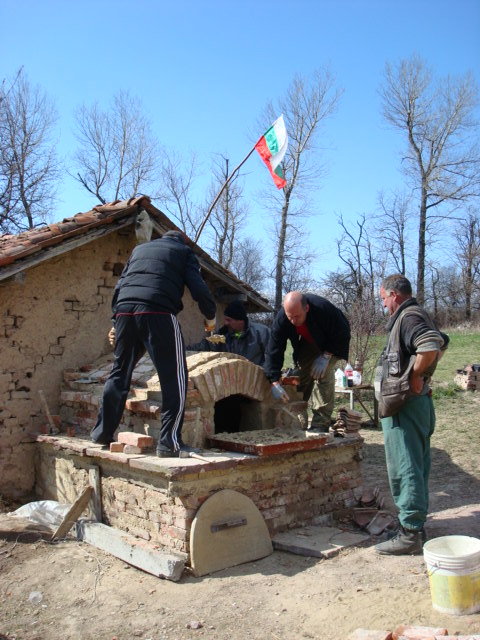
(453, 565)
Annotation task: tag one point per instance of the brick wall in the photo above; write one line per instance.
(159, 503)
(54, 318)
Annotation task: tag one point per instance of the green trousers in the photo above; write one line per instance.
(407, 450)
(320, 394)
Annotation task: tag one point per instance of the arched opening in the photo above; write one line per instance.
(237, 413)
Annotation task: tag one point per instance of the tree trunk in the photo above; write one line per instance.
(280, 256)
(422, 226)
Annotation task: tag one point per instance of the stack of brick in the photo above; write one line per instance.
(468, 377)
(348, 421)
(129, 442)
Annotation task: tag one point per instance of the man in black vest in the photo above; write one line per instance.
(146, 301)
(408, 418)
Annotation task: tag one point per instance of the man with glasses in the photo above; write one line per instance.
(414, 346)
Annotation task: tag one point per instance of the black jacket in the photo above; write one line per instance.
(327, 325)
(156, 274)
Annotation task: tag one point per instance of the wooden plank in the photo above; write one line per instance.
(96, 500)
(74, 513)
(53, 428)
(138, 553)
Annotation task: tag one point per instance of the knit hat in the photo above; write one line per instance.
(235, 310)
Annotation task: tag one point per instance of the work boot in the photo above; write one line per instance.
(405, 542)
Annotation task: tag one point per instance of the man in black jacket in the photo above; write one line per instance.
(145, 304)
(320, 336)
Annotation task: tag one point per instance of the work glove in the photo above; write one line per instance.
(320, 365)
(210, 324)
(111, 337)
(279, 393)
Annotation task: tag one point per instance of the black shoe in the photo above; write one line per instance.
(104, 443)
(405, 542)
(165, 452)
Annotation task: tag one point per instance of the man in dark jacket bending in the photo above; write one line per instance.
(146, 301)
(320, 336)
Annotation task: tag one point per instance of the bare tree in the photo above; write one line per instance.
(467, 236)
(354, 287)
(447, 296)
(117, 157)
(392, 229)
(442, 158)
(29, 168)
(248, 263)
(177, 177)
(305, 106)
(229, 213)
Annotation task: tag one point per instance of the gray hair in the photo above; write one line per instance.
(399, 283)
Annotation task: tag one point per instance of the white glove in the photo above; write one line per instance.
(111, 337)
(320, 365)
(279, 393)
(210, 324)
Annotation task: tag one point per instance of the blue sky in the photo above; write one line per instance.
(204, 70)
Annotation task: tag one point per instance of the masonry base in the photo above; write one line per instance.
(156, 499)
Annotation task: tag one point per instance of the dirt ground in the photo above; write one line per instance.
(88, 594)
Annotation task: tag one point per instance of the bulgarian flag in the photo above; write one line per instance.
(272, 147)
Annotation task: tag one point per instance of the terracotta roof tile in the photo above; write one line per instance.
(14, 247)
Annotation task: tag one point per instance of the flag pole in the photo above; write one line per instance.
(220, 193)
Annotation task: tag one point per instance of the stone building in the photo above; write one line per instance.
(56, 286)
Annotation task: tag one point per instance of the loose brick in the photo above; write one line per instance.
(117, 447)
(370, 634)
(417, 633)
(135, 439)
(130, 448)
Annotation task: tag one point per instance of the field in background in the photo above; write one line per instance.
(457, 433)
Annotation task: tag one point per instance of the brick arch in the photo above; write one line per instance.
(219, 375)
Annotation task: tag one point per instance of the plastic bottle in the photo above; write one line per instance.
(357, 373)
(340, 379)
(349, 374)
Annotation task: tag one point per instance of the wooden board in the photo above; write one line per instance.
(262, 446)
(74, 513)
(227, 530)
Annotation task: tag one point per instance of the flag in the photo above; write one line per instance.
(272, 147)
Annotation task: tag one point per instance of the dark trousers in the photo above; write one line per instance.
(160, 335)
(320, 394)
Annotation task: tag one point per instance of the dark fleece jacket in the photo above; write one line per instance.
(327, 325)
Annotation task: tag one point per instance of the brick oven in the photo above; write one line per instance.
(156, 499)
